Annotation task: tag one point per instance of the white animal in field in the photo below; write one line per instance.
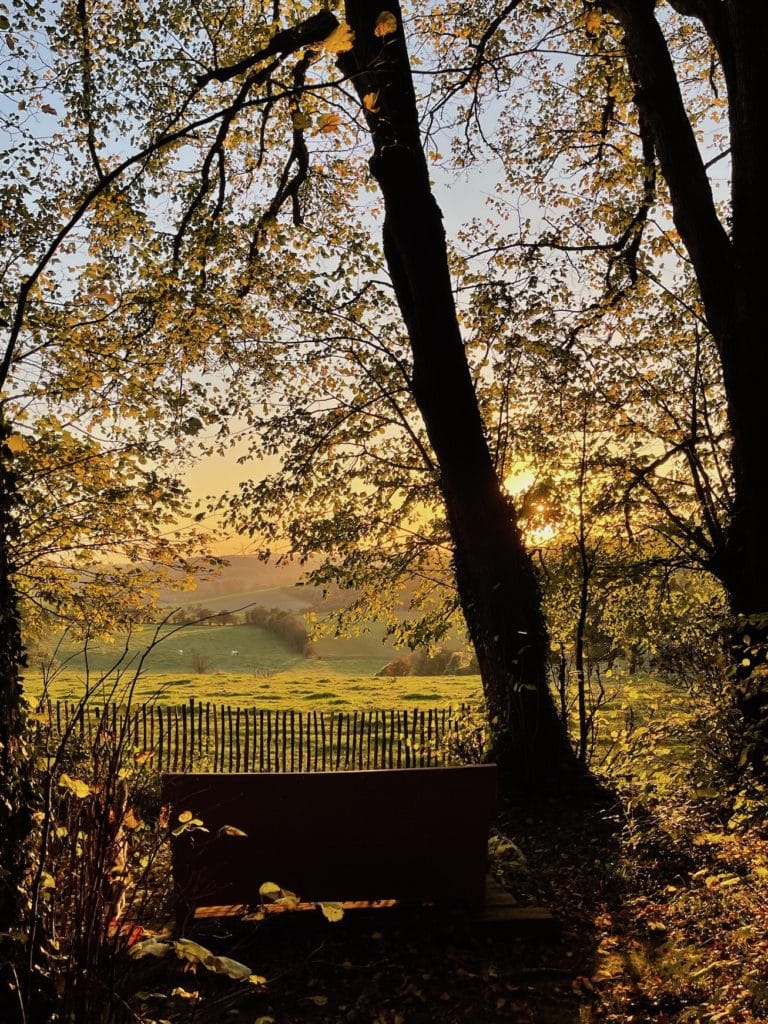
(234, 654)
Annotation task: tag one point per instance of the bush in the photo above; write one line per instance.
(285, 625)
(422, 663)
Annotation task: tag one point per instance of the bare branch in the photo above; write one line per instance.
(87, 70)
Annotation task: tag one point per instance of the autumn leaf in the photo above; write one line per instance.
(150, 947)
(340, 40)
(386, 24)
(185, 816)
(289, 900)
(255, 915)
(186, 949)
(329, 122)
(230, 830)
(270, 891)
(300, 120)
(131, 819)
(142, 756)
(332, 911)
(592, 21)
(225, 965)
(371, 102)
(76, 787)
(16, 443)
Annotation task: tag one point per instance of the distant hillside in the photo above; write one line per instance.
(243, 578)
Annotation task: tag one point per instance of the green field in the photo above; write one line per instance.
(199, 661)
(305, 689)
(239, 649)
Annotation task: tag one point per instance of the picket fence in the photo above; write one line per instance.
(204, 736)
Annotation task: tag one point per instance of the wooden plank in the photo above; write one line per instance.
(183, 736)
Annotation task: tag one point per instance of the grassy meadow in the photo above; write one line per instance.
(245, 666)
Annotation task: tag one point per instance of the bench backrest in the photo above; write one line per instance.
(406, 834)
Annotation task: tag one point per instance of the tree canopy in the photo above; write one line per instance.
(194, 259)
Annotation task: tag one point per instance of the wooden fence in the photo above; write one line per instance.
(217, 737)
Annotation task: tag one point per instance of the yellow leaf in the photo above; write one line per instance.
(329, 122)
(593, 20)
(289, 900)
(386, 24)
(47, 881)
(332, 911)
(225, 965)
(300, 120)
(16, 443)
(149, 947)
(318, 1000)
(76, 787)
(186, 949)
(270, 891)
(131, 819)
(257, 979)
(185, 816)
(142, 756)
(254, 915)
(340, 40)
(230, 830)
(371, 102)
(184, 993)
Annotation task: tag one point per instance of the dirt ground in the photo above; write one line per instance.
(392, 967)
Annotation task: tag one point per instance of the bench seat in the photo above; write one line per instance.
(407, 835)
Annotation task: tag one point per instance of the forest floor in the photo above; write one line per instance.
(662, 915)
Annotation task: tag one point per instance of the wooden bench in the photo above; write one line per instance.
(406, 835)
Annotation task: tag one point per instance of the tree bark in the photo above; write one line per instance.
(497, 585)
(16, 797)
(730, 271)
(728, 268)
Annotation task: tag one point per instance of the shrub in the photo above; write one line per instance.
(283, 624)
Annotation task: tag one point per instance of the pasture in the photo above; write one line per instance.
(200, 661)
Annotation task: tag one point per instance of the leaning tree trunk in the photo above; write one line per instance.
(496, 581)
(731, 276)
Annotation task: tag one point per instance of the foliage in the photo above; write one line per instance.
(283, 624)
(425, 662)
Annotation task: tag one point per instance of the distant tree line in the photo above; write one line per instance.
(197, 613)
(423, 663)
(285, 625)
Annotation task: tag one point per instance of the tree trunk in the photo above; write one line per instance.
(744, 341)
(730, 273)
(16, 795)
(496, 581)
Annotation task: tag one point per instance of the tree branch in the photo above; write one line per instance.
(660, 102)
(313, 30)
